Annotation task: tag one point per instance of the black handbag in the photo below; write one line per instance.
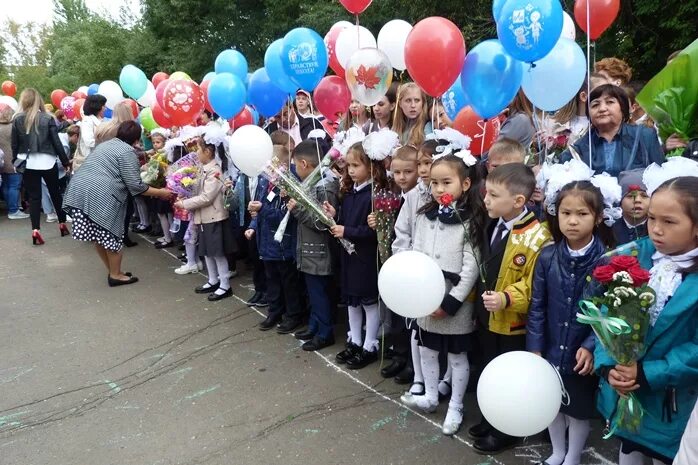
(21, 165)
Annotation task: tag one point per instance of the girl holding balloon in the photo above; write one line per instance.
(411, 119)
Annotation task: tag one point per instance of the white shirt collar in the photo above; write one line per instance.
(510, 224)
(631, 226)
(583, 251)
(357, 188)
(681, 261)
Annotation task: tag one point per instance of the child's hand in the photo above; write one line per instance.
(291, 204)
(283, 193)
(329, 210)
(254, 206)
(621, 382)
(337, 231)
(371, 220)
(228, 183)
(249, 234)
(439, 314)
(493, 301)
(178, 204)
(585, 362)
(537, 353)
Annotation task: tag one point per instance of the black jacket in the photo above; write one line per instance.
(44, 139)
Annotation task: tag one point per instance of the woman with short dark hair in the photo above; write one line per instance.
(97, 195)
(616, 145)
(93, 109)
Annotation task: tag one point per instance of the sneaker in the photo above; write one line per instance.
(51, 218)
(18, 215)
(187, 269)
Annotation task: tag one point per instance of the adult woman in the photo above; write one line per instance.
(93, 108)
(616, 145)
(615, 70)
(107, 130)
(35, 140)
(383, 111)
(96, 198)
(11, 179)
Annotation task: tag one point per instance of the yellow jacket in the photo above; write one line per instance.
(515, 278)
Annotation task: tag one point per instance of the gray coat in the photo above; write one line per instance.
(314, 244)
(101, 188)
(446, 244)
(405, 222)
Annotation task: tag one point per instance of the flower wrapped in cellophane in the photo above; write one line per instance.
(385, 206)
(155, 170)
(619, 314)
(182, 176)
(278, 174)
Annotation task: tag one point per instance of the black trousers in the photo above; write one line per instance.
(32, 184)
(282, 289)
(259, 278)
(129, 214)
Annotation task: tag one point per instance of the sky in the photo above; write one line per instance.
(42, 10)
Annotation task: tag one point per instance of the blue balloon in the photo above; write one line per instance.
(233, 62)
(275, 69)
(454, 99)
(529, 29)
(490, 78)
(210, 75)
(227, 95)
(497, 6)
(304, 57)
(107, 113)
(557, 78)
(92, 89)
(255, 115)
(247, 80)
(264, 95)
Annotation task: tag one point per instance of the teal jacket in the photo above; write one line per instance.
(670, 363)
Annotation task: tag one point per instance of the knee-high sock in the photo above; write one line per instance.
(212, 270)
(416, 358)
(557, 431)
(356, 320)
(223, 274)
(192, 258)
(142, 207)
(578, 434)
(373, 321)
(460, 371)
(633, 458)
(165, 223)
(430, 370)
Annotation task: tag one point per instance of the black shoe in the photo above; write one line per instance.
(262, 302)
(406, 376)
(305, 335)
(317, 343)
(254, 299)
(129, 243)
(348, 353)
(121, 282)
(491, 445)
(269, 323)
(397, 365)
(164, 245)
(362, 359)
(213, 297)
(288, 326)
(480, 430)
(206, 288)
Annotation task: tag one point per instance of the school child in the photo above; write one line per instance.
(512, 242)
(411, 121)
(504, 151)
(633, 225)
(282, 280)
(581, 238)
(665, 378)
(314, 249)
(446, 229)
(215, 237)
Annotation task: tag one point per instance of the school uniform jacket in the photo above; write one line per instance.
(207, 206)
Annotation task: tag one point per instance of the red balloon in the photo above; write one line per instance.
(472, 125)
(77, 108)
(356, 6)
(57, 97)
(134, 107)
(78, 95)
(183, 101)
(434, 54)
(160, 91)
(332, 97)
(160, 117)
(9, 88)
(330, 41)
(241, 119)
(204, 90)
(159, 77)
(603, 13)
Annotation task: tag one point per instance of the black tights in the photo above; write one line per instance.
(32, 184)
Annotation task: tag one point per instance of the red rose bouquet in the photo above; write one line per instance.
(385, 206)
(620, 318)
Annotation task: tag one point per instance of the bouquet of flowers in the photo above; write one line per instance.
(182, 175)
(155, 169)
(277, 173)
(385, 205)
(619, 315)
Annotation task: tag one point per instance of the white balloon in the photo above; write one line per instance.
(569, 30)
(112, 92)
(83, 89)
(411, 284)
(391, 40)
(342, 24)
(519, 393)
(147, 99)
(350, 40)
(9, 101)
(251, 149)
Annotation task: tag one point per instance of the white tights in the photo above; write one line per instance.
(460, 373)
(578, 433)
(142, 207)
(166, 223)
(218, 272)
(373, 320)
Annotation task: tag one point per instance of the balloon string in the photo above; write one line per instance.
(588, 31)
(433, 114)
(320, 156)
(358, 32)
(482, 141)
